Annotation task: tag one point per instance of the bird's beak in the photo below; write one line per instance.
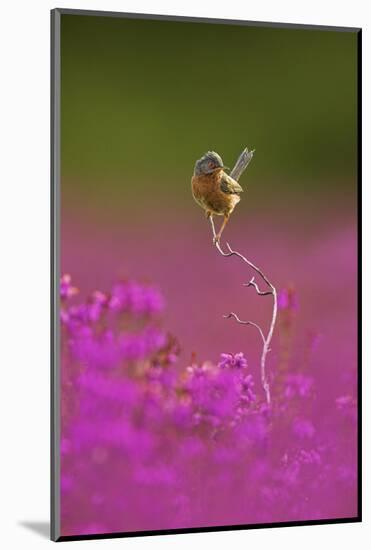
(225, 167)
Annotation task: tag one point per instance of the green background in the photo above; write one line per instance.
(143, 99)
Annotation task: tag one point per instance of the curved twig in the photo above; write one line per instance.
(240, 165)
(253, 283)
(232, 314)
(266, 338)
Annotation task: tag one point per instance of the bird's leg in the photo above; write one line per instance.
(225, 221)
(210, 217)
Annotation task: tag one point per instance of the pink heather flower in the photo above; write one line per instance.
(347, 405)
(66, 289)
(107, 350)
(141, 427)
(309, 457)
(153, 475)
(298, 385)
(131, 297)
(246, 389)
(348, 475)
(107, 389)
(344, 402)
(303, 428)
(230, 360)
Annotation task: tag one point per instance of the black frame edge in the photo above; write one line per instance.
(212, 529)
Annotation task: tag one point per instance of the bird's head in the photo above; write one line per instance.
(208, 164)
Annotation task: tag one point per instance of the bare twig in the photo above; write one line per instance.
(245, 323)
(239, 167)
(253, 283)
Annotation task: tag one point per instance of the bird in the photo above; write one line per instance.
(214, 190)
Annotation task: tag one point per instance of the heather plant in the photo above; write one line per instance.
(150, 441)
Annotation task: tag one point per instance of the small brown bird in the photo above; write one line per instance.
(215, 191)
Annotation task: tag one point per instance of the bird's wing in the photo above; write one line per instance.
(229, 185)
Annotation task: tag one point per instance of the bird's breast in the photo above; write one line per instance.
(207, 193)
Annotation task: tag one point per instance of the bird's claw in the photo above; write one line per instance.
(216, 240)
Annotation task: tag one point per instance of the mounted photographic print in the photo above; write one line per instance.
(205, 189)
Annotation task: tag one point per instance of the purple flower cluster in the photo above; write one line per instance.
(136, 299)
(149, 442)
(107, 349)
(66, 288)
(236, 360)
(298, 385)
(126, 297)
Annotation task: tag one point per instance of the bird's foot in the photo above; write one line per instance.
(216, 240)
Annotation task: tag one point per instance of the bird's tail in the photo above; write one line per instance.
(242, 163)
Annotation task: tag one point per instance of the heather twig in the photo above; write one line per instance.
(239, 167)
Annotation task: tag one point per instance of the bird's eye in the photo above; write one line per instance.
(211, 164)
